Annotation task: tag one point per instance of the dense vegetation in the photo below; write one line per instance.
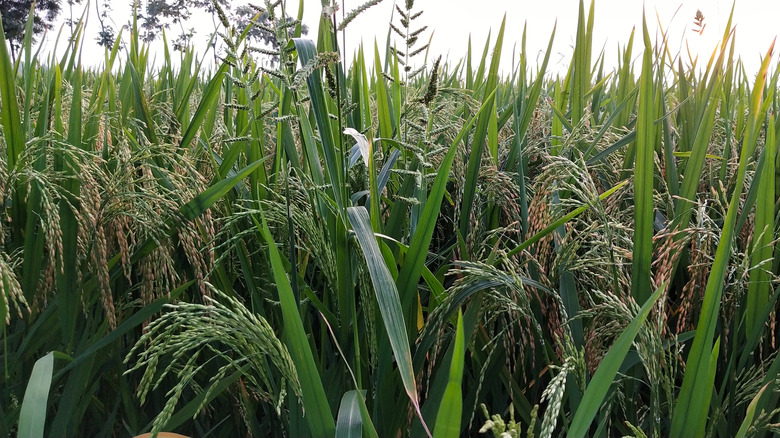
(347, 245)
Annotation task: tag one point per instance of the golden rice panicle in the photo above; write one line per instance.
(158, 274)
(191, 244)
(100, 266)
(121, 231)
(667, 253)
(539, 217)
(10, 289)
(3, 195)
(92, 241)
(50, 224)
(701, 249)
(209, 236)
(147, 272)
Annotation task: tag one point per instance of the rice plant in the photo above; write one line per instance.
(347, 245)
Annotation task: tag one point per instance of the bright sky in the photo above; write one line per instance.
(452, 21)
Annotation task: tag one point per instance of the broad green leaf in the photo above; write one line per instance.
(28, 68)
(9, 106)
(192, 210)
(450, 415)
(199, 204)
(141, 107)
(209, 99)
(349, 423)
(525, 106)
(367, 152)
(643, 179)
(333, 156)
(388, 300)
(581, 64)
(759, 288)
(382, 100)
(32, 417)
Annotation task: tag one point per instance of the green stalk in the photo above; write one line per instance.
(449, 418)
(643, 178)
(9, 110)
(759, 288)
(692, 408)
(389, 303)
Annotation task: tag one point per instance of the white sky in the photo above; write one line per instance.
(453, 20)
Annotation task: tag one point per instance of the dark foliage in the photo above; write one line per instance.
(158, 15)
(106, 35)
(260, 31)
(15, 13)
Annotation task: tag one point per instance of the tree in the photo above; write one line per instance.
(106, 35)
(72, 20)
(157, 15)
(244, 16)
(15, 14)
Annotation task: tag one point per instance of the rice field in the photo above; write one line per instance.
(343, 245)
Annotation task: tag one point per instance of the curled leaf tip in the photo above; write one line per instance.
(362, 142)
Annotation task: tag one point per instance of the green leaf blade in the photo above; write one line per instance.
(32, 417)
(607, 370)
(449, 417)
(388, 300)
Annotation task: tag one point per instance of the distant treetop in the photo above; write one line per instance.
(15, 13)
